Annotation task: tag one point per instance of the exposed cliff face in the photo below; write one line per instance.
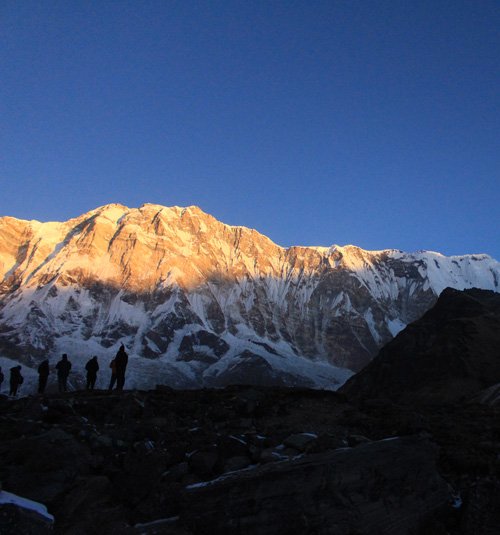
(207, 303)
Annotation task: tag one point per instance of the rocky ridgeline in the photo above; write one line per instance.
(204, 304)
(451, 353)
(248, 460)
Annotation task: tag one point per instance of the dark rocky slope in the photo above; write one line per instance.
(244, 460)
(452, 352)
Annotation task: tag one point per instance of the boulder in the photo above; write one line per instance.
(356, 440)
(86, 493)
(269, 455)
(19, 515)
(236, 463)
(203, 462)
(231, 446)
(481, 513)
(176, 472)
(385, 487)
(301, 441)
(42, 466)
(489, 396)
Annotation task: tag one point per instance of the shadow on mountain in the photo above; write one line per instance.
(266, 317)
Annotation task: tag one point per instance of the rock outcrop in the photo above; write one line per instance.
(388, 487)
(450, 354)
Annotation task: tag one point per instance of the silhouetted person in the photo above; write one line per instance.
(92, 368)
(63, 368)
(112, 381)
(43, 375)
(1, 378)
(16, 379)
(121, 361)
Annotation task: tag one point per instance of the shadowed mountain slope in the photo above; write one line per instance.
(451, 353)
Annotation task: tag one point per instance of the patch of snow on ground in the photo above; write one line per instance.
(9, 498)
(220, 478)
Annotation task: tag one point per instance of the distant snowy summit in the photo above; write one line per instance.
(198, 302)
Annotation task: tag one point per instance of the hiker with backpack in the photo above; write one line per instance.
(63, 368)
(92, 368)
(43, 375)
(16, 380)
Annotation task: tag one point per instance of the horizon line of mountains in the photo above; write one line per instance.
(201, 303)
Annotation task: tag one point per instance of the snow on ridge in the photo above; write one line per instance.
(460, 272)
(171, 276)
(113, 212)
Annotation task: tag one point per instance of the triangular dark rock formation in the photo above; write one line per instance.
(449, 354)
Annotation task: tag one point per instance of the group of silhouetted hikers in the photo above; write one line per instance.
(118, 366)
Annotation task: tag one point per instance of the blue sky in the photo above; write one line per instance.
(370, 122)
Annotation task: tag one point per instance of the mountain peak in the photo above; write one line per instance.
(209, 302)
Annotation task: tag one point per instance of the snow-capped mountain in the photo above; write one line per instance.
(198, 302)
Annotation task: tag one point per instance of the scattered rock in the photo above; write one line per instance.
(301, 441)
(236, 463)
(118, 460)
(203, 462)
(231, 446)
(86, 495)
(176, 472)
(383, 487)
(356, 440)
(482, 509)
(269, 455)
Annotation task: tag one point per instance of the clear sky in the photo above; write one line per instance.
(368, 122)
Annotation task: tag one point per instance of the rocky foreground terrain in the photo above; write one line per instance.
(410, 445)
(248, 460)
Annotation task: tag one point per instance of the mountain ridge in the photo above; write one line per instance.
(213, 303)
(196, 208)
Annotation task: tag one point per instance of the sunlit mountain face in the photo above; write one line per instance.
(201, 303)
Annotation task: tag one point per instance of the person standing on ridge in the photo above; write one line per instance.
(16, 379)
(92, 368)
(43, 375)
(121, 361)
(112, 381)
(63, 368)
